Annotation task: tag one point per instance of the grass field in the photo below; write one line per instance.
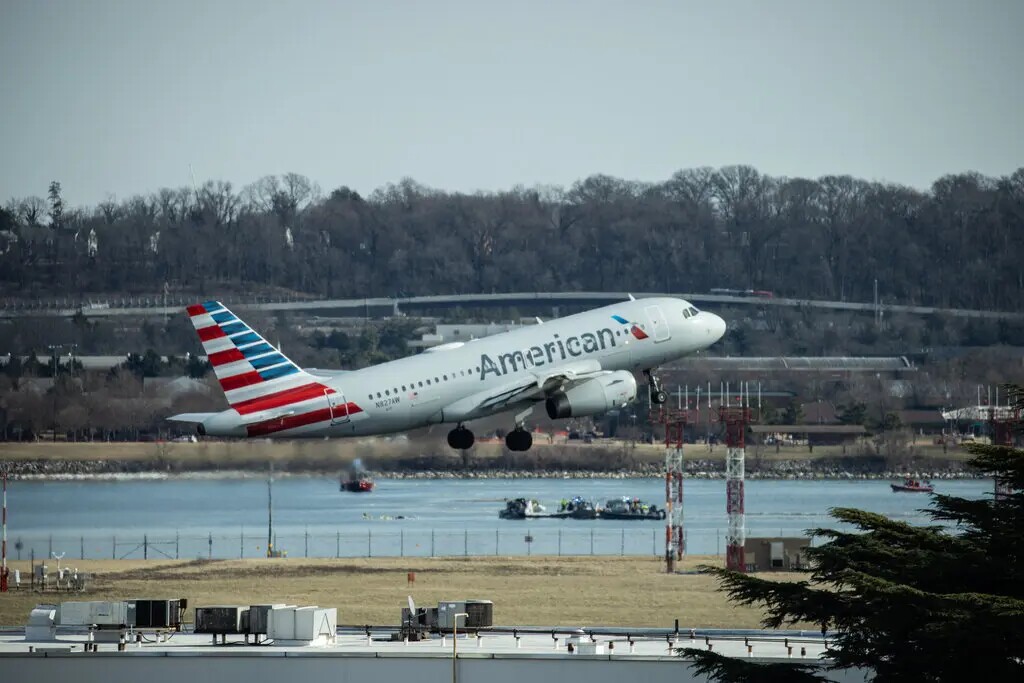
(542, 591)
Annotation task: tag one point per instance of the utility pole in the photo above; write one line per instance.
(270, 511)
(55, 360)
(877, 312)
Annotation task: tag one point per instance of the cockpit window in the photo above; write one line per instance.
(690, 312)
(686, 313)
(693, 310)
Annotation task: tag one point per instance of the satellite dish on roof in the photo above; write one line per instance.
(412, 613)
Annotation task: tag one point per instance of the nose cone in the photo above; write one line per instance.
(715, 327)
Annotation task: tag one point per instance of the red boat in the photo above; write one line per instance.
(358, 485)
(913, 486)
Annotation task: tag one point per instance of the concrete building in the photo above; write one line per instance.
(508, 657)
(778, 554)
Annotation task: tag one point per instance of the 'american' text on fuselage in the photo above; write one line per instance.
(557, 349)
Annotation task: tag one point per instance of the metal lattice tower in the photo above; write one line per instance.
(675, 540)
(3, 566)
(735, 421)
(674, 422)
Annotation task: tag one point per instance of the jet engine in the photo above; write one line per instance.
(594, 396)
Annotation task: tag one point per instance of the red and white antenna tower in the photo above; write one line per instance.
(674, 422)
(3, 551)
(675, 541)
(735, 419)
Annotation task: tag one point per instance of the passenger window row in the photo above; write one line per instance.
(412, 386)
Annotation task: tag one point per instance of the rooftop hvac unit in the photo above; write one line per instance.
(446, 612)
(481, 613)
(98, 613)
(425, 617)
(74, 613)
(259, 616)
(281, 623)
(157, 613)
(40, 624)
(316, 623)
(220, 619)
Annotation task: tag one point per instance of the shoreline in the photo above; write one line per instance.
(101, 471)
(227, 460)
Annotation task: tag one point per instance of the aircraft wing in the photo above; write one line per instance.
(535, 386)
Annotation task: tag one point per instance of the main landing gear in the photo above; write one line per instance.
(518, 440)
(460, 438)
(658, 395)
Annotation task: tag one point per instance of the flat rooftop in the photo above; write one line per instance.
(646, 644)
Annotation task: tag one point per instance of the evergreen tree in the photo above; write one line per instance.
(909, 603)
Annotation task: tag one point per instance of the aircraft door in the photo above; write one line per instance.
(338, 406)
(659, 324)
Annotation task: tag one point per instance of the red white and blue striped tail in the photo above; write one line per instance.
(254, 375)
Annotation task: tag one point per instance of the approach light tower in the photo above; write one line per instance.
(735, 419)
(675, 541)
(3, 552)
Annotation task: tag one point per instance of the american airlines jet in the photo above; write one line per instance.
(575, 366)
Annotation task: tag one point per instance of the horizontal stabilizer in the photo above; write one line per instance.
(197, 418)
(266, 415)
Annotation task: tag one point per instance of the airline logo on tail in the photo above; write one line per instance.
(239, 356)
(269, 391)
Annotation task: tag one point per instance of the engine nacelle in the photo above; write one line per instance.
(594, 396)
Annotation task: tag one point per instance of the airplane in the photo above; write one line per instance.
(578, 365)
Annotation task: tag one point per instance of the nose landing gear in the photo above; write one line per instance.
(658, 395)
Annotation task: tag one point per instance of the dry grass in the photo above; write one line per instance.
(526, 591)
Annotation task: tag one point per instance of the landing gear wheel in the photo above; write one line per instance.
(658, 395)
(518, 440)
(460, 438)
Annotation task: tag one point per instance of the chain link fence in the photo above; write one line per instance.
(369, 542)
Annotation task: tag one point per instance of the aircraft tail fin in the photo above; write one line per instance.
(254, 375)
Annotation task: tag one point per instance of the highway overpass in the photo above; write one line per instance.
(379, 306)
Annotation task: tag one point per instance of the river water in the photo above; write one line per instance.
(227, 518)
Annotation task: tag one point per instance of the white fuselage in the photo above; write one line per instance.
(454, 383)
(416, 391)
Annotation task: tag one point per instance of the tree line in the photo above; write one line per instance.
(954, 245)
(938, 603)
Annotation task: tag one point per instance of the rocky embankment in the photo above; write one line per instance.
(842, 468)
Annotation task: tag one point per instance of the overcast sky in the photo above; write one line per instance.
(118, 98)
